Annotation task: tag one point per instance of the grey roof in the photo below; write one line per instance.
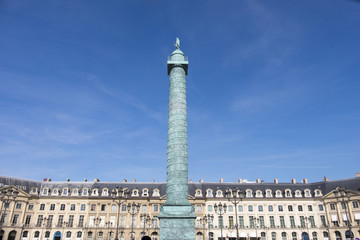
(325, 186)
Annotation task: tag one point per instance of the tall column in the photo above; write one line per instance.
(177, 217)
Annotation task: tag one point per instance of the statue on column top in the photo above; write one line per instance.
(177, 43)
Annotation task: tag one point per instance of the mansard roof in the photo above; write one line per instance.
(325, 186)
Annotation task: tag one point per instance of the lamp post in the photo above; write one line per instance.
(146, 218)
(235, 196)
(208, 218)
(6, 197)
(97, 221)
(119, 197)
(133, 209)
(255, 222)
(222, 209)
(341, 194)
(109, 225)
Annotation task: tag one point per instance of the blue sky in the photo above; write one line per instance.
(273, 88)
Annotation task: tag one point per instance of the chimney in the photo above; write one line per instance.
(201, 181)
(221, 180)
(85, 179)
(357, 174)
(240, 180)
(45, 180)
(305, 180)
(49, 179)
(293, 180)
(190, 180)
(153, 180)
(276, 180)
(134, 180)
(326, 179)
(124, 180)
(96, 180)
(258, 180)
(68, 179)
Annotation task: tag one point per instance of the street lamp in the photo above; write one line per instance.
(340, 194)
(133, 209)
(117, 197)
(255, 222)
(97, 221)
(146, 218)
(6, 197)
(235, 196)
(222, 209)
(208, 218)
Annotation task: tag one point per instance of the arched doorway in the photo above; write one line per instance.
(57, 235)
(12, 235)
(305, 236)
(154, 236)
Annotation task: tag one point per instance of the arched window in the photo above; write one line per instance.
(325, 235)
(263, 236)
(199, 236)
(68, 234)
(314, 236)
(283, 235)
(250, 208)
(268, 193)
(36, 234)
(338, 235)
(47, 234)
(273, 236)
(211, 236)
(89, 235)
(248, 193)
(260, 208)
(79, 234)
(294, 236)
(25, 234)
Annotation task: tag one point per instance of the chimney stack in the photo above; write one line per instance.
(276, 180)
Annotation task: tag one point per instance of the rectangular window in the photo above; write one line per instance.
(282, 221)
(112, 221)
(92, 207)
(310, 208)
(144, 208)
(72, 207)
(52, 207)
(81, 221)
(300, 208)
(122, 220)
(49, 221)
(221, 222)
(83, 207)
(251, 221)
(210, 208)
(323, 221)
(60, 221)
(231, 221)
(312, 221)
(270, 208)
(260, 208)
(123, 207)
(241, 221)
(302, 221)
(272, 221)
(198, 208)
(42, 207)
(262, 222)
(3, 217)
(103, 207)
(290, 208)
(39, 221)
(18, 205)
(240, 208)
(355, 204)
(155, 222)
(71, 221)
(62, 207)
(250, 208)
(343, 205)
(31, 206)
(280, 208)
(27, 220)
(332, 206)
(15, 219)
(321, 207)
(156, 207)
(292, 221)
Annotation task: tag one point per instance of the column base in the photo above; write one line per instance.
(177, 223)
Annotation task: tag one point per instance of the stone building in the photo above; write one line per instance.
(34, 210)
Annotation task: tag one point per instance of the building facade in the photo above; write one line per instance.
(34, 210)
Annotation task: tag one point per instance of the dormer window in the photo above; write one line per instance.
(307, 193)
(248, 193)
(65, 191)
(145, 192)
(85, 192)
(288, 193)
(45, 191)
(209, 193)
(268, 193)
